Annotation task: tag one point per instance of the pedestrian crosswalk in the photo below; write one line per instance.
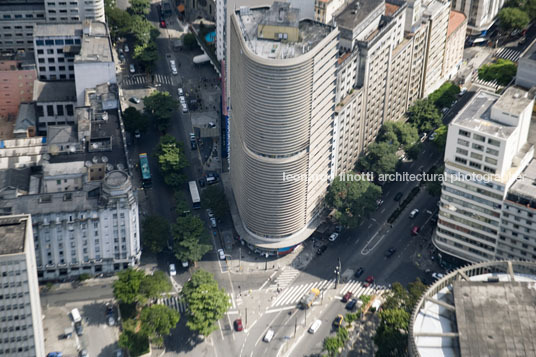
(292, 295)
(508, 54)
(174, 302)
(493, 85)
(142, 79)
(357, 289)
(284, 279)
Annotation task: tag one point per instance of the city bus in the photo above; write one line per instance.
(146, 181)
(194, 194)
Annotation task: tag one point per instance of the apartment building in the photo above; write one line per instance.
(487, 150)
(480, 14)
(326, 9)
(54, 104)
(18, 18)
(21, 326)
(456, 33)
(526, 68)
(76, 185)
(16, 87)
(283, 86)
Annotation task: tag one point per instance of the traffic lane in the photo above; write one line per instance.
(254, 344)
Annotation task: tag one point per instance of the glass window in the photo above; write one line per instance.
(465, 133)
(49, 42)
(461, 151)
(494, 142)
(59, 42)
(39, 43)
(478, 147)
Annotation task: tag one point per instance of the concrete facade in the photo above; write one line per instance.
(74, 10)
(21, 326)
(526, 68)
(487, 149)
(283, 117)
(455, 43)
(480, 14)
(326, 9)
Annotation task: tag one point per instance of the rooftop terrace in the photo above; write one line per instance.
(13, 233)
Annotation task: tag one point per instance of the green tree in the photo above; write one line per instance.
(513, 19)
(146, 55)
(392, 336)
(191, 241)
(331, 345)
(380, 159)
(414, 151)
(155, 233)
(530, 9)
(119, 22)
(441, 137)
(214, 198)
(207, 303)
(415, 291)
(153, 286)
(134, 120)
(160, 105)
(398, 133)
(171, 160)
(424, 115)
(189, 41)
(139, 30)
(398, 297)
(137, 344)
(342, 335)
(353, 200)
(140, 7)
(444, 96)
(127, 286)
(501, 71)
(434, 187)
(157, 321)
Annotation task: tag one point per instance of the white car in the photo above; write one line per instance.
(213, 222)
(414, 213)
(132, 69)
(211, 124)
(209, 213)
(221, 254)
(172, 271)
(127, 50)
(185, 264)
(182, 100)
(184, 108)
(269, 335)
(174, 71)
(333, 237)
(432, 136)
(180, 92)
(437, 275)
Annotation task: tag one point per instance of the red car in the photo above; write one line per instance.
(347, 296)
(369, 281)
(163, 24)
(238, 325)
(415, 230)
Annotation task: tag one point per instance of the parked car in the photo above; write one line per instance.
(269, 335)
(379, 202)
(184, 108)
(184, 264)
(314, 327)
(462, 91)
(78, 328)
(182, 99)
(351, 305)
(122, 57)
(437, 275)
(347, 296)
(221, 254)
(333, 237)
(359, 272)
(163, 23)
(83, 353)
(398, 196)
(135, 100)
(55, 354)
(127, 50)
(432, 136)
(202, 182)
(369, 281)
(132, 69)
(111, 321)
(180, 92)
(172, 270)
(137, 134)
(209, 213)
(338, 321)
(211, 124)
(414, 213)
(109, 309)
(321, 249)
(213, 223)
(390, 252)
(415, 230)
(238, 325)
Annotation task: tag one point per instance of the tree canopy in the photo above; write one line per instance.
(127, 287)
(512, 18)
(157, 321)
(380, 159)
(207, 303)
(353, 200)
(134, 120)
(501, 71)
(190, 239)
(153, 286)
(160, 105)
(444, 96)
(189, 41)
(171, 160)
(424, 115)
(155, 233)
(214, 198)
(398, 133)
(140, 7)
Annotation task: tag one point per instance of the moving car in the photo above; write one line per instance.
(184, 108)
(379, 202)
(172, 270)
(390, 252)
(163, 23)
(132, 68)
(347, 296)
(193, 141)
(398, 196)
(333, 237)
(137, 134)
(351, 305)
(180, 92)
(213, 222)
(315, 326)
(269, 335)
(359, 272)
(238, 325)
(338, 321)
(369, 281)
(109, 310)
(414, 213)
(221, 254)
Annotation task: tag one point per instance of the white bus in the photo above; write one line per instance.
(194, 194)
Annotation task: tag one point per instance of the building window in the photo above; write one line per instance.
(474, 155)
(477, 147)
(494, 142)
(463, 142)
(460, 160)
(489, 160)
(50, 110)
(464, 133)
(461, 151)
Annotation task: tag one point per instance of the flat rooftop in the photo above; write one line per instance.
(526, 186)
(476, 115)
(514, 100)
(357, 11)
(496, 319)
(311, 33)
(54, 29)
(59, 91)
(13, 233)
(95, 49)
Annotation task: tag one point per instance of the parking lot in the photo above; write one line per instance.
(99, 339)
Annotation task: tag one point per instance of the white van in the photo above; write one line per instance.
(315, 326)
(75, 314)
(269, 335)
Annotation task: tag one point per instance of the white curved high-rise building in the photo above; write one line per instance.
(282, 87)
